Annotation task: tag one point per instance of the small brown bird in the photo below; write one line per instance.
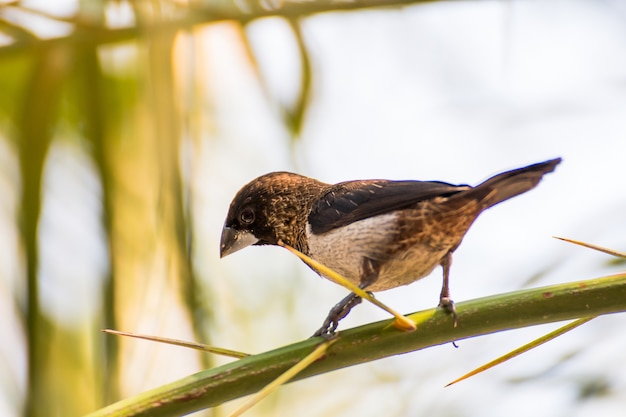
(380, 234)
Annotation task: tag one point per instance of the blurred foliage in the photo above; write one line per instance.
(104, 78)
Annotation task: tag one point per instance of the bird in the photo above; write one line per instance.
(379, 234)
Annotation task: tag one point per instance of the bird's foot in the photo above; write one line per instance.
(327, 331)
(448, 305)
(338, 312)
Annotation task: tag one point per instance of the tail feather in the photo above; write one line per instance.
(508, 184)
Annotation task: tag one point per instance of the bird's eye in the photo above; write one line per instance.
(247, 216)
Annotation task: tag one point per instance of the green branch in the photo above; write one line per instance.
(190, 16)
(378, 340)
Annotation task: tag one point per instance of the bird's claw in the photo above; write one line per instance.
(447, 304)
(327, 331)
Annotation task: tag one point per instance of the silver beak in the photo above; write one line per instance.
(232, 240)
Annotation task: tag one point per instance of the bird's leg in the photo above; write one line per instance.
(343, 307)
(444, 299)
(338, 312)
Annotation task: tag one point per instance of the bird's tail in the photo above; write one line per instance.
(511, 183)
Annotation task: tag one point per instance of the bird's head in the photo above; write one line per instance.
(271, 208)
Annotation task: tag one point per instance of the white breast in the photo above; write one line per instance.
(343, 250)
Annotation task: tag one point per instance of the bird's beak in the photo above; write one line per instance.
(233, 240)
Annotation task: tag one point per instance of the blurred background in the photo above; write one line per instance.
(126, 127)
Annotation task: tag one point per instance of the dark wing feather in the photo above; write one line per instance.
(351, 201)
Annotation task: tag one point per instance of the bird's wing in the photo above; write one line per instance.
(351, 201)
